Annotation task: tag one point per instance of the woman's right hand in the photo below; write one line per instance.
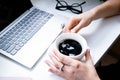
(79, 21)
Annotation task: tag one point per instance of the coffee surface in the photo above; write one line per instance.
(70, 47)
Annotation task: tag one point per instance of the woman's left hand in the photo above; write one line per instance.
(72, 69)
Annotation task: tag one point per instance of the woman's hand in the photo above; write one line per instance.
(72, 69)
(77, 22)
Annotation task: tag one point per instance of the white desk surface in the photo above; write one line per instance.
(100, 34)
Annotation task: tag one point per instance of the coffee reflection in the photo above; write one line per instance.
(70, 47)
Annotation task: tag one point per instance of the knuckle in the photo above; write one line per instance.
(56, 65)
(71, 71)
(76, 66)
(62, 59)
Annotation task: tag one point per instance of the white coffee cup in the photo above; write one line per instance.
(72, 36)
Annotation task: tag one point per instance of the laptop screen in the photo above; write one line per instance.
(12, 9)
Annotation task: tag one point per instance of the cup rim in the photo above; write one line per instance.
(75, 36)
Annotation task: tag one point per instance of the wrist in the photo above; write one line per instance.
(93, 13)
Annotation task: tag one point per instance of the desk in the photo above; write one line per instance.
(100, 35)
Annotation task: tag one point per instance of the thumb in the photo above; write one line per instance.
(87, 55)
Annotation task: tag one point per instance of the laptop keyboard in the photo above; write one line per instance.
(16, 37)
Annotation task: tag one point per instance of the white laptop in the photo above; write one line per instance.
(26, 32)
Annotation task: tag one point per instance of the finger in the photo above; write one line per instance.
(71, 23)
(54, 70)
(54, 56)
(88, 56)
(63, 58)
(66, 68)
(80, 25)
(55, 61)
(58, 63)
(51, 65)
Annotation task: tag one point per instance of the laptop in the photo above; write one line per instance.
(26, 32)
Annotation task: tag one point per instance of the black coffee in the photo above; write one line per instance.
(70, 47)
